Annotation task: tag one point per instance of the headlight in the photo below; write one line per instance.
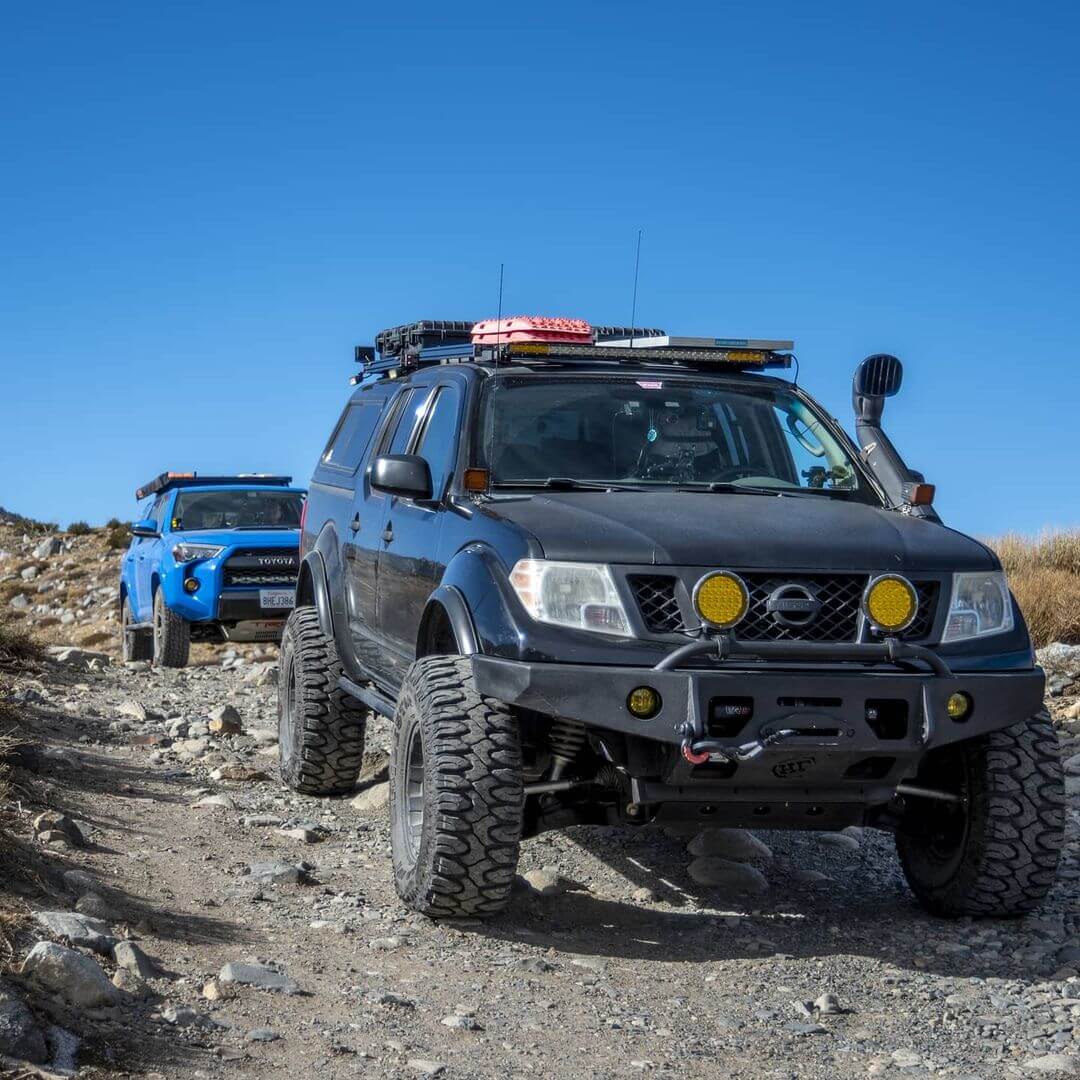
(190, 552)
(579, 595)
(980, 605)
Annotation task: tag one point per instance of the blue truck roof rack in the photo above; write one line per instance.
(166, 481)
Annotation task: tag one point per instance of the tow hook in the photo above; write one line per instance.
(697, 753)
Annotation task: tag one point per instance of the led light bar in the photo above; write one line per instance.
(672, 341)
(625, 354)
(167, 480)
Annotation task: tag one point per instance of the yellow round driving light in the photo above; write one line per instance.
(721, 599)
(890, 603)
(958, 706)
(643, 702)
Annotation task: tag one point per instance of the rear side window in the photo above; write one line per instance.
(346, 447)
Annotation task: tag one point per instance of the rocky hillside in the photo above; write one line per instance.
(168, 909)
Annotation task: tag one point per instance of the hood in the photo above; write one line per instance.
(268, 538)
(682, 528)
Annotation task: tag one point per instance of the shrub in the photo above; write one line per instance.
(117, 537)
(79, 528)
(1044, 573)
(16, 644)
(114, 523)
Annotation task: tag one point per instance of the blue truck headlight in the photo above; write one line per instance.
(185, 553)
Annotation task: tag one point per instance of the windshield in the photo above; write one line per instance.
(255, 508)
(643, 431)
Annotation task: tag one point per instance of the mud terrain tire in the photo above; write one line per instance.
(320, 727)
(455, 793)
(171, 636)
(134, 644)
(999, 858)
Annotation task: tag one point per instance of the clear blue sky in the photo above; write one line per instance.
(203, 206)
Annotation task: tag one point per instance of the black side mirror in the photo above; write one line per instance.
(406, 475)
(876, 378)
(147, 527)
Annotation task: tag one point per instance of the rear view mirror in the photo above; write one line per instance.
(146, 527)
(405, 475)
(876, 378)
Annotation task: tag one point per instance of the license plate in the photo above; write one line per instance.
(276, 599)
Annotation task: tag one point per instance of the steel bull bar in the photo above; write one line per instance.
(804, 696)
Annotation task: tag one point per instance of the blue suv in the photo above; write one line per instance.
(214, 559)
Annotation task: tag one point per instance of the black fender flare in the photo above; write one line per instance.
(451, 600)
(312, 588)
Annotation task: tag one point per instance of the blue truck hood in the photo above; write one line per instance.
(268, 538)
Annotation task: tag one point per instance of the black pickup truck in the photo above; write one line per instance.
(608, 575)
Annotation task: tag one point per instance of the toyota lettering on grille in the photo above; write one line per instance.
(275, 560)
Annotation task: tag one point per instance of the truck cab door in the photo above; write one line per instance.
(362, 538)
(410, 556)
(146, 553)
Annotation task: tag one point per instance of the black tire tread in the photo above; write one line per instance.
(330, 733)
(1018, 828)
(172, 648)
(134, 644)
(473, 793)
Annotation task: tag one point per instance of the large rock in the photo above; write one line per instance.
(20, 1036)
(1058, 657)
(76, 978)
(735, 844)
(52, 822)
(373, 799)
(76, 929)
(258, 975)
(1058, 1064)
(729, 876)
(51, 545)
(225, 720)
(278, 873)
(129, 957)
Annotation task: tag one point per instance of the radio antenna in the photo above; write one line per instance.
(633, 306)
(495, 384)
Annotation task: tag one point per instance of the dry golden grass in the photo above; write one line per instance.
(1044, 573)
(17, 645)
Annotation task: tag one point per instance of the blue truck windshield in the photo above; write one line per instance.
(645, 431)
(256, 508)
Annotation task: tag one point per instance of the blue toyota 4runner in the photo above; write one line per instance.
(610, 576)
(215, 558)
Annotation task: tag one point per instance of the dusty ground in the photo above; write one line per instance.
(627, 967)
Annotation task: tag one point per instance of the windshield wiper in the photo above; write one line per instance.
(566, 483)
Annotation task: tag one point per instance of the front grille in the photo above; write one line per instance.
(837, 619)
(262, 566)
(242, 577)
(656, 600)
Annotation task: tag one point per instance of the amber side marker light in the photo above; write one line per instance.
(921, 494)
(958, 706)
(476, 479)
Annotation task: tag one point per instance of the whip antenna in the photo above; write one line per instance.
(633, 307)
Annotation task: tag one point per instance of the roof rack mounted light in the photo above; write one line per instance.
(168, 480)
(671, 341)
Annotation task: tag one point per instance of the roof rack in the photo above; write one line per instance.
(420, 344)
(166, 481)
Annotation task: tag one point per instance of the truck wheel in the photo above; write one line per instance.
(997, 854)
(455, 793)
(320, 728)
(134, 644)
(172, 635)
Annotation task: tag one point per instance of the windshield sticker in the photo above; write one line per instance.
(645, 384)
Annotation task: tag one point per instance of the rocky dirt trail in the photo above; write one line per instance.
(189, 917)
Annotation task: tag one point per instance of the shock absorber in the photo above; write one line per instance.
(566, 737)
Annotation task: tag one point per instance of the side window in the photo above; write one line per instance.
(348, 443)
(438, 439)
(158, 513)
(407, 416)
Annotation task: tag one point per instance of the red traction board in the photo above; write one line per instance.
(532, 328)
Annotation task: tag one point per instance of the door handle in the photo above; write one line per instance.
(388, 533)
(354, 525)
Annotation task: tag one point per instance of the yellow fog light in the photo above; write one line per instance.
(191, 584)
(890, 603)
(958, 706)
(721, 599)
(643, 702)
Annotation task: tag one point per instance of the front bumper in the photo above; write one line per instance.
(832, 698)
